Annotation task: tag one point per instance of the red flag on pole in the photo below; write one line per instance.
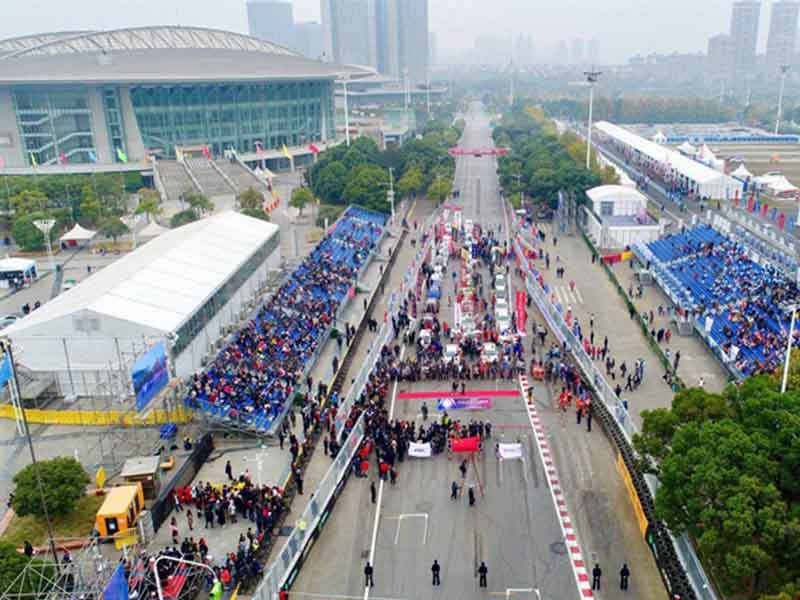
(207, 152)
(62, 158)
(313, 148)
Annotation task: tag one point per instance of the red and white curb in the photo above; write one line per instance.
(579, 566)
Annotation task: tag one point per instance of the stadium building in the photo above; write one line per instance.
(99, 99)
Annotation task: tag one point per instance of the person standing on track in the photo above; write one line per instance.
(482, 571)
(372, 491)
(435, 569)
(368, 581)
(624, 575)
(597, 572)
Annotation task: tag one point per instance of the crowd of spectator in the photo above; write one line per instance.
(745, 306)
(251, 379)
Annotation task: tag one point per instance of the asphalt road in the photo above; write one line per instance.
(513, 527)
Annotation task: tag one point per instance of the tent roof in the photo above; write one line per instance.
(689, 168)
(741, 171)
(779, 183)
(16, 264)
(78, 234)
(603, 192)
(152, 230)
(164, 282)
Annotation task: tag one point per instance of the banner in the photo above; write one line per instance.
(510, 450)
(521, 298)
(470, 444)
(5, 371)
(418, 450)
(149, 374)
(443, 404)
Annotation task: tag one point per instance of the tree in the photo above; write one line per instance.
(64, 481)
(329, 182)
(256, 213)
(182, 218)
(28, 236)
(113, 227)
(12, 564)
(251, 199)
(411, 182)
(149, 203)
(198, 203)
(300, 197)
(439, 190)
(27, 201)
(90, 208)
(367, 186)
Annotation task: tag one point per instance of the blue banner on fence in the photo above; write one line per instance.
(5, 371)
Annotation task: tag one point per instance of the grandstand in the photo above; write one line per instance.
(741, 308)
(252, 378)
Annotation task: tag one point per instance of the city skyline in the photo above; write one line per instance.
(623, 28)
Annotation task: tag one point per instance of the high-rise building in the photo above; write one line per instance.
(561, 53)
(271, 20)
(308, 39)
(349, 31)
(412, 29)
(782, 35)
(718, 57)
(576, 55)
(386, 37)
(432, 49)
(744, 37)
(593, 52)
(524, 50)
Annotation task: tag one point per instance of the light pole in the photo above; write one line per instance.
(784, 69)
(390, 193)
(591, 77)
(182, 561)
(345, 77)
(46, 226)
(788, 351)
(131, 221)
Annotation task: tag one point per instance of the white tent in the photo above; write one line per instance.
(152, 230)
(78, 234)
(741, 172)
(687, 148)
(659, 137)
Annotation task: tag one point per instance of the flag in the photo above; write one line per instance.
(33, 159)
(313, 149)
(5, 371)
(92, 156)
(62, 157)
(286, 152)
(2, 163)
(235, 592)
(207, 152)
(121, 155)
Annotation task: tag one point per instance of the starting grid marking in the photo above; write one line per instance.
(579, 566)
(566, 296)
(449, 394)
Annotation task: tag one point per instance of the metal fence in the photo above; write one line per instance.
(295, 547)
(616, 407)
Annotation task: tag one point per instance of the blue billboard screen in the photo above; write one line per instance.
(150, 375)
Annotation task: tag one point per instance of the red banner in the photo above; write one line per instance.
(521, 314)
(470, 444)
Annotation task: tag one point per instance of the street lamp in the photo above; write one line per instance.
(591, 77)
(344, 78)
(788, 350)
(390, 193)
(131, 221)
(46, 226)
(784, 69)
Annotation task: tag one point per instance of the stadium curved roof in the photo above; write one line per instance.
(156, 55)
(163, 37)
(15, 44)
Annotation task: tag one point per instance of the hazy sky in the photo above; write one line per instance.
(623, 27)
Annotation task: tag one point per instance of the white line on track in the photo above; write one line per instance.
(377, 521)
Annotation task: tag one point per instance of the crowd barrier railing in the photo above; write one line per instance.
(618, 410)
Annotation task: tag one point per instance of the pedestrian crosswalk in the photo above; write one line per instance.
(566, 296)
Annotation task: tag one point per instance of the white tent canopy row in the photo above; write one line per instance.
(703, 180)
(741, 172)
(776, 183)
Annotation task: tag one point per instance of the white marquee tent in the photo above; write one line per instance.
(184, 287)
(741, 172)
(78, 235)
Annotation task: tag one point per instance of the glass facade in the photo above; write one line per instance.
(116, 130)
(232, 115)
(197, 322)
(54, 124)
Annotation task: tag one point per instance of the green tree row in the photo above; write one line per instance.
(729, 466)
(541, 162)
(643, 109)
(359, 174)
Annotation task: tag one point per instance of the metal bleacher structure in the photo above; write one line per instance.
(244, 415)
(714, 289)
